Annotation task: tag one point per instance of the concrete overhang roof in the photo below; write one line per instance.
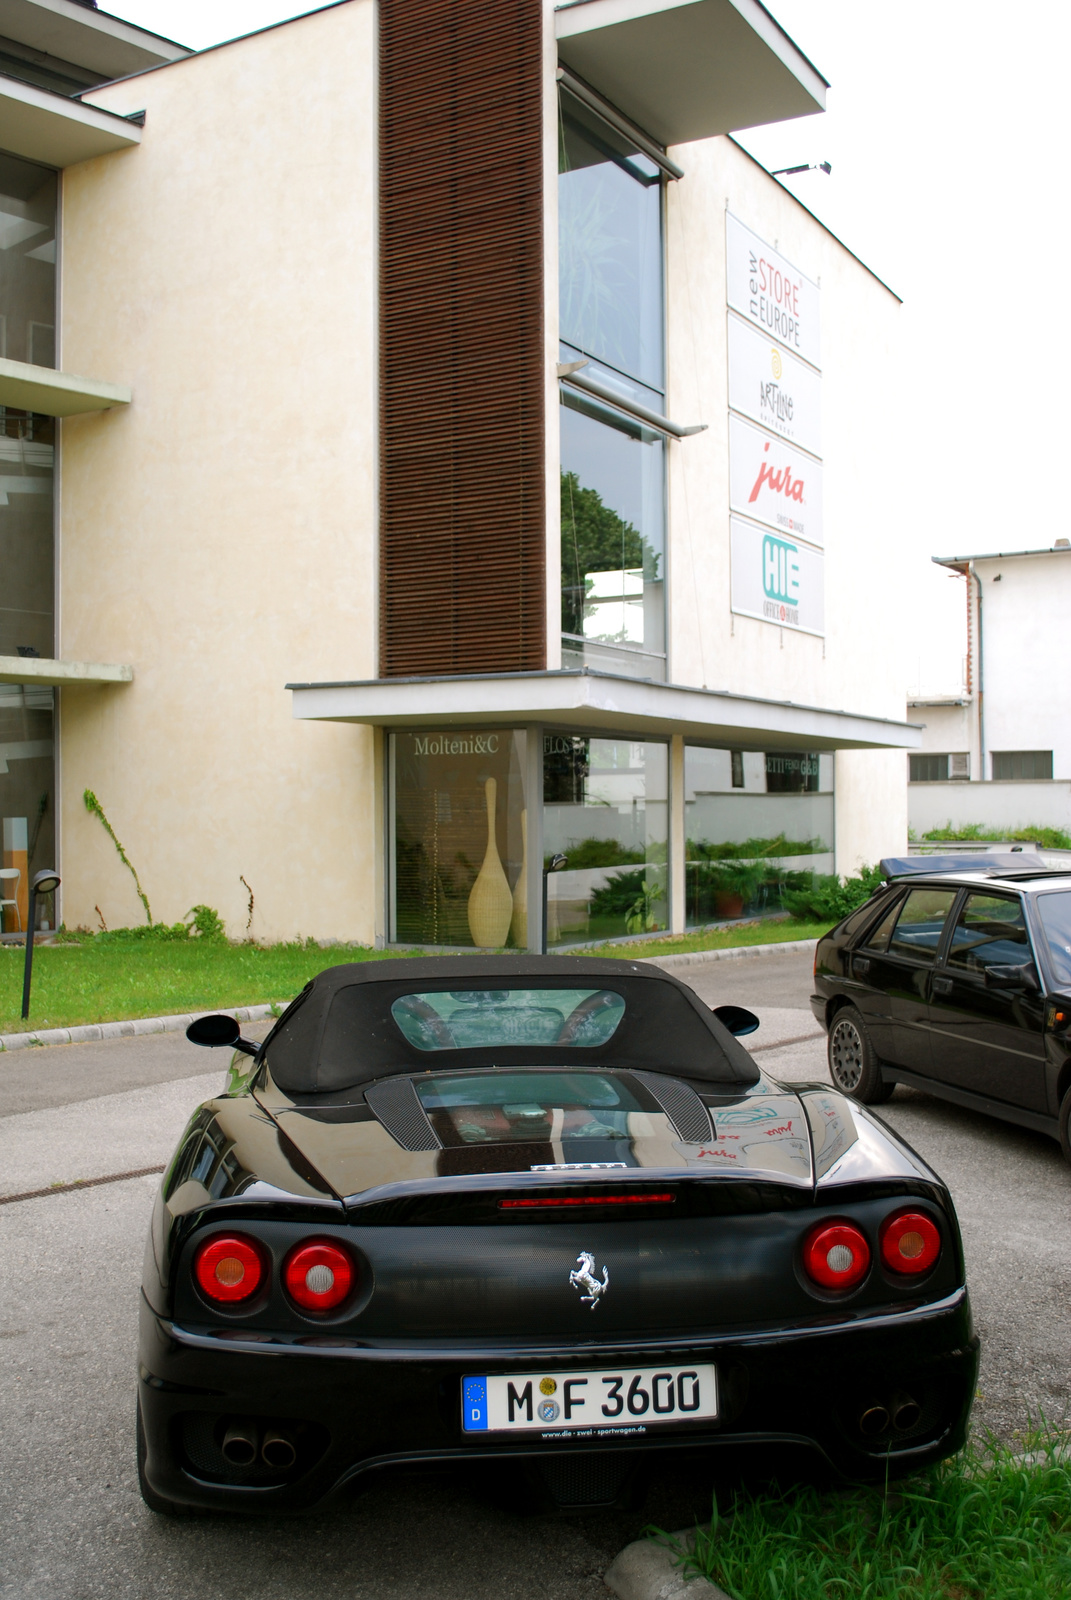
(41, 670)
(961, 563)
(689, 69)
(50, 128)
(56, 394)
(598, 703)
(85, 37)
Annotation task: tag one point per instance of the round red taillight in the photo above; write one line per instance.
(228, 1268)
(910, 1242)
(836, 1255)
(319, 1276)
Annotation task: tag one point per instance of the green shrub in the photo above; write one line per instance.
(203, 923)
(829, 899)
(753, 849)
(1048, 838)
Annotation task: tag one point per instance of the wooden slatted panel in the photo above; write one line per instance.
(462, 529)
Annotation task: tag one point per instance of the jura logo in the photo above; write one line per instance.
(781, 482)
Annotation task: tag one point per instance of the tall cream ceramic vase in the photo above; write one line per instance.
(490, 901)
(519, 923)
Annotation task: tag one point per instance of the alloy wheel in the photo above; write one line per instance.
(846, 1055)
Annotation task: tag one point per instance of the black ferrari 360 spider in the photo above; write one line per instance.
(541, 1209)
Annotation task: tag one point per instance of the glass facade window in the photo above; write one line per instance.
(611, 308)
(459, 838)
(613, 541)
(27, 333)
(605, 807)
(609, 246)
(758, 827)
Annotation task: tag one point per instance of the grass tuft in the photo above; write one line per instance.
(986, 1525)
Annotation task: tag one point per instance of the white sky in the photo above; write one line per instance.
(946, 133)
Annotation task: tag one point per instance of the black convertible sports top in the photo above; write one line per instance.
(341, 1031)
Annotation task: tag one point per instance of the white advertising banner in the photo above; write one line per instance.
(773, 482)
(770, 292)
(773, 388)
(776, 579)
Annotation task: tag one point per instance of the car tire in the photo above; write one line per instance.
(154, 1501)
(1065, 1126)
(853, 1064)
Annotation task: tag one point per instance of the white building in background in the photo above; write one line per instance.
(433, 503)
(999, 753)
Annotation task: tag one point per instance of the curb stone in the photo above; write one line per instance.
(132, 1027)
(735, 952)
(649, 1571)
(129, 1029)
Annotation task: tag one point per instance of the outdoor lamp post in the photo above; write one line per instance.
(555, 864)
(46, 882)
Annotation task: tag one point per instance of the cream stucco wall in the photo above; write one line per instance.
(856, 667)
(220, 533)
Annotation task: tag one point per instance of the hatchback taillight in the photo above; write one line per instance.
(836, 1255)
(229, 1268)
(910, 1242)
(319, 1275)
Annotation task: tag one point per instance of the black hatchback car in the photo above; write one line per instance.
(955, 977)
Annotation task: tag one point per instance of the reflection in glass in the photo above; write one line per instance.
(759, 828)
(546, 1108)
(458, 838)
(610, 245)
(612, 541)
(605, 808)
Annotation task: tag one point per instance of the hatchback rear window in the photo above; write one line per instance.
(1055, 913)
(484, 1018)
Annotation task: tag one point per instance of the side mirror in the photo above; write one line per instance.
(219, 1032)
(736, 1019)
(1003, 977)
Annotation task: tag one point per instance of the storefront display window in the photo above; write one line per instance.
(27, 798)
(605, 808)
(459, 839)
(758, 829)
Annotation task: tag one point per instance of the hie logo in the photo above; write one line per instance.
(780, 571)
(781, 482)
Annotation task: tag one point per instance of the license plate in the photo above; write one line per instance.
(630, 1400)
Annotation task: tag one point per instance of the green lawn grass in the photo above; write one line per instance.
(987, 1525)
(110, 978)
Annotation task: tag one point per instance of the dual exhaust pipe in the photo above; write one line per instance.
(243, 1444)
(901, 1412)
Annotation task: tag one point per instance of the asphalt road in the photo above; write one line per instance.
(72, 1526)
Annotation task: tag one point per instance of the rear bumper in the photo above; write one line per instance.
(819, 1002)
(362, 1408)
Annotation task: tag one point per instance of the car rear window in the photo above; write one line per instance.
(469, 1018)
(547, 1108)
(1055, 913)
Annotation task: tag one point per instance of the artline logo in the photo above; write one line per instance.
(780, 482)
(780, 580)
